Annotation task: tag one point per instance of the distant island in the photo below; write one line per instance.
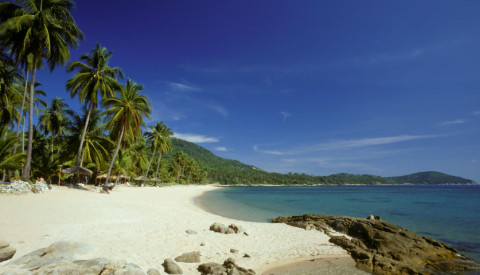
(233, 172)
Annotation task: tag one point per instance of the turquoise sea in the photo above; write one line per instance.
(449, 213)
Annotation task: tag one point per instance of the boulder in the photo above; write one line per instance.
(219, 228)
(171, 267)
(236, 228)
(59, 258)
(190, 257)
(18, 187)
(153, 271)
(6, 251)
(383, 248)
(228, 267)
(231, 229)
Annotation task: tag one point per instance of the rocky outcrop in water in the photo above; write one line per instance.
(383, 248)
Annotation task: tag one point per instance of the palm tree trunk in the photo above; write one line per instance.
(21, 120)
(114, 156)
(21, 108)
(158, 163)
(80, 148)
(28, 160)
(150, 163)
(51, 149)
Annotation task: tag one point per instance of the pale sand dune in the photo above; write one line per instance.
(147, 225)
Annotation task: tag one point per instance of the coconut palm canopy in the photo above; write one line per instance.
(77, 170)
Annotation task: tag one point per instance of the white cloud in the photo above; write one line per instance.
(356, 143)
(220, 149)
(196, 138)
(477, 113)
(345, 144)
(285, 115)
(218, 108)
(453, 122)
(278, 153)
(180, 87)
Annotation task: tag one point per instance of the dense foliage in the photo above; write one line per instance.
(106, 137)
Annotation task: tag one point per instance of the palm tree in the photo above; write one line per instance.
(181, 159)
(159, 138)
(8, 160)
(96, 143)
(138, 154)
(54, 119)
(94, 80)
(126, 116)
(33, 30)
(9, 75)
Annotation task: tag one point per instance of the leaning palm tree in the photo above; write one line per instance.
(96, 142)
(95, 80)
(33, 30)
(125, 116)
(54, 119)
(159, 138)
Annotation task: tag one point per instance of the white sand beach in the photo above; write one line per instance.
(147, 225)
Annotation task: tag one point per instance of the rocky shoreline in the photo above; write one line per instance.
(383, 248)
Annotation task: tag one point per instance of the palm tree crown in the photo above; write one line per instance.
(125, 116)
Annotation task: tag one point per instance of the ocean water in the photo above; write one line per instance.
(448, 213)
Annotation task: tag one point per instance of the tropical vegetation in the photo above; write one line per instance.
(109, 136)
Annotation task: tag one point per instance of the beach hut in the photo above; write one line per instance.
(78, 170)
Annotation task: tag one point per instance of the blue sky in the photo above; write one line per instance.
(320, 87)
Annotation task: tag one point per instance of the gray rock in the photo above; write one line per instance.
(153, 271)
(229, 267)
(189, 257)
(101, 265)
(18, 187)
(238, 229)
(171, 267)
(218, 227)
(130, 269)
(59, 268)
(6, 251)
(191, 232)
(231, 229)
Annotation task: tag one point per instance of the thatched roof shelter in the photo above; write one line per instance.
(77, 170)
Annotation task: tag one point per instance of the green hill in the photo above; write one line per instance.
(431, 177)
(227, 171)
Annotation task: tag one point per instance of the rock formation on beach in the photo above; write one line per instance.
(228, 267)
(22, 187)
(383, 248)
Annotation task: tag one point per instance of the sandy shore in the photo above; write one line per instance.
(147, 225)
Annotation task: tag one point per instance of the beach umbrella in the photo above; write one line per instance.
(102, 176)
(141, 178)
(155, 179)
(77, 170)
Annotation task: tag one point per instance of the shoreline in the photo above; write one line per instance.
(147, 225)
